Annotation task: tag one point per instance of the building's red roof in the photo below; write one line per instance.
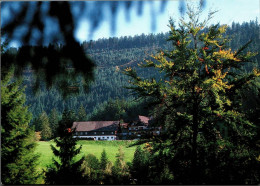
(96, 126)
(143, 119)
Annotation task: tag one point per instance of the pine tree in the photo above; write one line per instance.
(120, 171)
(54, 120)
(37, 124)
(91, 169)
(18, 160)
(45, 126)
(82, 116)
(103, 160)
(140, 166)
(68, 170)
(198, 96)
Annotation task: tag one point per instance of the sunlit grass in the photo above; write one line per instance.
(93, 147)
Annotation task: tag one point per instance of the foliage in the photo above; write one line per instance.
(122, 52)
(91, 169)
(82, 116)
(62, 18)
(46, 132)
(195, 101)
(120, 171)
(65, 170)
(54, 120)
(140, 166)
(103, 160)
(18, 144)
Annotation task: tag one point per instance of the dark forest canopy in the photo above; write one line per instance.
(111, 56)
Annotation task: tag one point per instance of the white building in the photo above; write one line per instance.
(96, 130)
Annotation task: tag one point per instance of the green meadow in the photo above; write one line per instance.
(88, 147)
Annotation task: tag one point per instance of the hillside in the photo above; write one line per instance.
(113, 55)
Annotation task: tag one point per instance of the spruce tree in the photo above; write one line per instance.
(91, 169)
(140, 166)
(120, 171)
(197, 101)
(103, 160)
(54, 120)
(82, 116)
(45, 127)
(66, 170)
(18, 160)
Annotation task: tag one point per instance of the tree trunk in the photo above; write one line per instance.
(194, 170)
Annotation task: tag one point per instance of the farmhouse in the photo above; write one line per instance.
(140, 124)
(96, 130)
(112, 130)
(138, 128)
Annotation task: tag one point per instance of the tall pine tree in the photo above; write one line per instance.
(18, 160)
(82, 116)
(67, 171)
(54, 120)
(46, 133)
(198, 103)
(103, 160)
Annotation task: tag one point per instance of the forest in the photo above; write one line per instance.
(199, 82)
(111, 56)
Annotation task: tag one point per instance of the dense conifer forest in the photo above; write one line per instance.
(111, 56)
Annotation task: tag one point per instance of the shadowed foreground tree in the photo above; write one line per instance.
(66, 170)
(18, 161)
(120, 171)
(103, 160)
(91, 170)
(140, 166)
(207, 139)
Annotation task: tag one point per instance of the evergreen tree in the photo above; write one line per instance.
(197, 98)
(82, 116)
(67, 170)
(37, 124)
(45, 127)
(54, 120)
(103, 160)
(18, 160)
(120, 171)
(140, 166)
(91, 169)
(106, 169)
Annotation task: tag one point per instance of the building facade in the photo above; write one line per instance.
(96, 130)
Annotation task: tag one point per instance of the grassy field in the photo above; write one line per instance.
(88, 147)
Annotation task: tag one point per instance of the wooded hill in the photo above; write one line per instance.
(113, 55)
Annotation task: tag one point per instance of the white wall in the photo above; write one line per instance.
(109, 138)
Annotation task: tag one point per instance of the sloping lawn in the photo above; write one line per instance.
(88, 147)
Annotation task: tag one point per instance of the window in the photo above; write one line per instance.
(95, 133)
(76, 133)
(102, 132)
(112, 132)
(81, 133)
(86, 133)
